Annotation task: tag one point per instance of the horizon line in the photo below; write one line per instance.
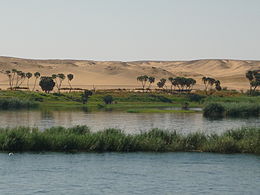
(80, 59)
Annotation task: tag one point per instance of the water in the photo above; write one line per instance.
(129, 122)
(129, 173)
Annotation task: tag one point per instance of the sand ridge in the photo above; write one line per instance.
(117, 74)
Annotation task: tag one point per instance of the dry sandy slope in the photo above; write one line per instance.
(121, 74)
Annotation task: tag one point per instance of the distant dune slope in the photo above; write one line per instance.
(231, 73)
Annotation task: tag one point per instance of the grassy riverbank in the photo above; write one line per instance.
(124, 100)
(81, 139)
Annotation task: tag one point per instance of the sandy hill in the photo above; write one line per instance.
(111, 74)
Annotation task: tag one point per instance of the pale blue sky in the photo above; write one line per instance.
(130, 29)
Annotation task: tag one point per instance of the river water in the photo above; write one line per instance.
(129, 173)
(129, 122)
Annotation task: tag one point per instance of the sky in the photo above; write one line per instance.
(129, 30)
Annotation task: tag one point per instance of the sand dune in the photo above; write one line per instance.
(111, 74)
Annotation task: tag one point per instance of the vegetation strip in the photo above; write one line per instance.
(80, 138)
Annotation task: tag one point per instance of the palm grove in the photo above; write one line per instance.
(47, 83)
(183, 84)
(17, 78)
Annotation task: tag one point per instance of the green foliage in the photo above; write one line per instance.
(86, 95)
(214, 110)
(195, 97)
(108, 99)
(242, 109)
(79, 138)
(47, 84)
(15, 103)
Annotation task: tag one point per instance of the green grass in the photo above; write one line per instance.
(81, 139)
(159, 111)
(125, 101)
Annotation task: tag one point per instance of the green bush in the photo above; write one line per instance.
(214, 110)
(108, 99)
(195, 97)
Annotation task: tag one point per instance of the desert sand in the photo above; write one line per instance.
(117, 74)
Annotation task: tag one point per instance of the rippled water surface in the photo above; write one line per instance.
(131, 173)
(130, 122)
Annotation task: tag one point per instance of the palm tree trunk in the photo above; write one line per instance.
(34, 84)
(28, 84)
(69, 85)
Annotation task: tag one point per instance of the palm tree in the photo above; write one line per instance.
(9, 75)
(14, 71)
(217, 85)
(143, 79)
(70, 77)
(161, 83)
(61, 77)
(171, 81)
(22, 77)
(54, 77)
(18, 75)
(150, 80)
(254, 79)
(36, 75)
(28, 75)
(205, 81)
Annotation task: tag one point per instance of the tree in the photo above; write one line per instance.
(70, 77)
(254, 80)
(47, 84)
(190, 82)
(217, 85)
(14, 71)
(61, 77)
(54, 77)
(28, 75)
(86, 95)
(171, 81)
(36, 75)
(208, 81)
(143, 79)
(9, 75)
(161, 83)
(151, 80)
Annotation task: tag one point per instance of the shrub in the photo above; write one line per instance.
(214, 110)
(195, 97)
(108, 99)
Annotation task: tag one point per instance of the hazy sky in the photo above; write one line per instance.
(130, 29)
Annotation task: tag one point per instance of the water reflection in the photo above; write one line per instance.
(130, 122)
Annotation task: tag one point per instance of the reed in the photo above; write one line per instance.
(15, 103)
(241, 109)
(81, 139)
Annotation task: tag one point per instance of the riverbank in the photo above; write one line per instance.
(81, 139)
(136, 102)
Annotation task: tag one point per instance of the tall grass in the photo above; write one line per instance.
(80, 138)
(15, 103)
(245, 109)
